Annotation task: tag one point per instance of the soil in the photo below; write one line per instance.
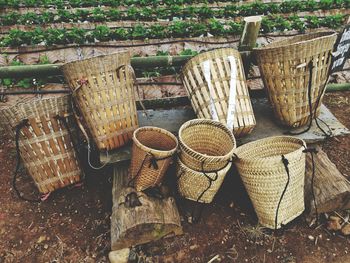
(73, 225)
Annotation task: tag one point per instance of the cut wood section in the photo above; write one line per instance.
(152, 220)
(332, 189)
(250, 33)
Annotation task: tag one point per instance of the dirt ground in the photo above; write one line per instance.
(73, 225)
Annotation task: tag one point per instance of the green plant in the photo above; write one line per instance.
(102, 33)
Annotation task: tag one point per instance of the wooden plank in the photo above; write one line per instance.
(151, 220)
(331, 188)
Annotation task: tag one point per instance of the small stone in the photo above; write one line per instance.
(311, 238)
(119, 256)
(41, 239)
(193, 247)
(346, 230)
(232, 205)
(46, 246)
(334, 223)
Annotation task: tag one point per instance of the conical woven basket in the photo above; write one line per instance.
(103, 90)
(205, 145)
(265, 177)
(45, 143)
(198, 186)
(152, 153)
(216, 85)
(285, 70)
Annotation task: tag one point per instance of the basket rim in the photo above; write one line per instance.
(327, 34)
(71, 63)
(184, 166)
(191, 151)
(151, 150)
(302, 144)
(202, 54)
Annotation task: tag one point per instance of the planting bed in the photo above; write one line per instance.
(74, 224)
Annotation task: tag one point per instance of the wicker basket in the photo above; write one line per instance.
(103, 90)
(285, 70)
(151, 156)
(205, 145)
(197, 186)
(216, 85)
(45, 143)
(264, 175)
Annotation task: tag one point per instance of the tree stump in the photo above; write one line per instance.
(149, 220)
(331, 188)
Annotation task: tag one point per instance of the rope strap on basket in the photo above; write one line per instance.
(286, 163)
(210, 180)
(313, 114)
(87, 137)
(153, 164)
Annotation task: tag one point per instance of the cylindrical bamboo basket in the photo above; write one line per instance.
(205, 145)
(264, 175)
(196, 186)
(152, 153)
(216, 85)
(103, 88)
(285, 70)
(45, 143)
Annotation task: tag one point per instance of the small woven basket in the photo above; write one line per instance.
(152, 153)
(216, 85)
(205, 145)
(285, 70)
(103, 88)
(198, 186)
(45, 143)
(261, 167)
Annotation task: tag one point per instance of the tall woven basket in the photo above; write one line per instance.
(103, 90)
(45, 140)
(205, 145)
(198, 186)
(216, 85)
(261, 165)
(152, 153)
(286, 67)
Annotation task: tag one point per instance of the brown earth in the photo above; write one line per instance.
(73, 225)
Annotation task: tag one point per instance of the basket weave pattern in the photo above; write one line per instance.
(103, 89)
(45, 143)
(201, 97)
(264, 176)
(205, 145)
(151, 156)
(192, 184)
(285, 72)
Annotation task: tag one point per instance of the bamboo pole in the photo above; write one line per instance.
(23, 71)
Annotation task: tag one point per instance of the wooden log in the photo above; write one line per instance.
(152, 220)
(331, 188)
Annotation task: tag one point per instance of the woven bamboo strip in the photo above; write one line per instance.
(194, 185)
(103, 90)
(45, 145)
(205, 145)
(151, 156)
(204, 100)
(263, 173)
(285, 72)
